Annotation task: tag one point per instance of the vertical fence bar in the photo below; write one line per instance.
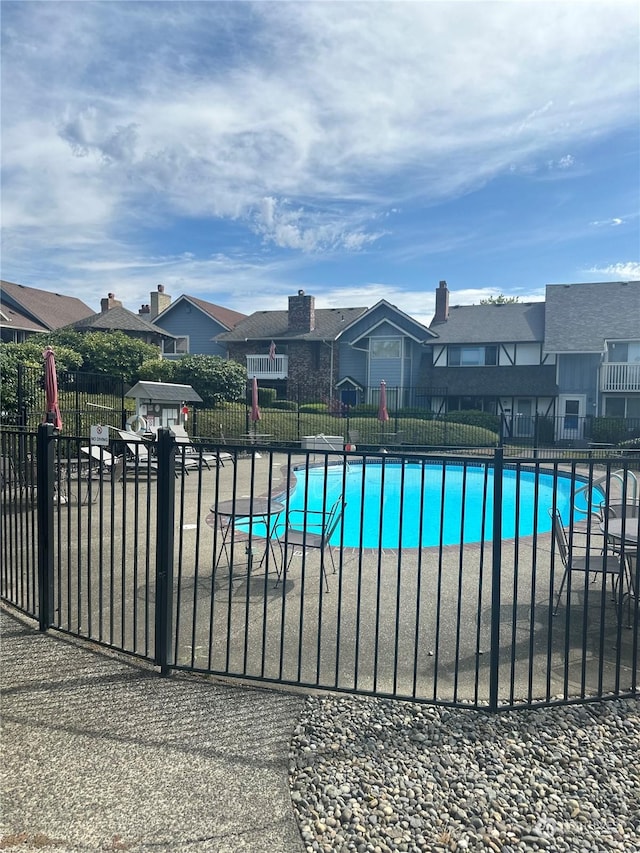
(165, 514)
(494, 663)
(45, 479)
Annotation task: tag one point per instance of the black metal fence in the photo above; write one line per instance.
(440, 584)
(85, 398)
(418, 429)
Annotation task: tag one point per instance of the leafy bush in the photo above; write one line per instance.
(266, 397)
(424, 433)
(545, 427)
(474, 417)
(608, 430)
(415, 412)
(313, 407)
(158, 370)
(216, 379)
(285, 405)
(364, 409)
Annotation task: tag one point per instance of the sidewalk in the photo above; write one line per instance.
(103, 754)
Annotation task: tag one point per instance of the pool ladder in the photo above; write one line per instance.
(624, 477)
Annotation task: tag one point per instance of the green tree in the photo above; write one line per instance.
(500, 299)
(215, 379)
(112, 353)
(29, 354)
(115, 354)
(158, 370)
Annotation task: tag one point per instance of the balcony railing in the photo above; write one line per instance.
(620, 376)
(263, 367)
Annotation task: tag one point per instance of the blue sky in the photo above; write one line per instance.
(241, 151)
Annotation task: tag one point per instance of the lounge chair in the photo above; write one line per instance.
(192, 455)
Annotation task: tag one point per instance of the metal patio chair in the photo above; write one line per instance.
(577, 559)
(311, 530)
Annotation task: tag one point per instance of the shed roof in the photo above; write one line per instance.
(164, 392)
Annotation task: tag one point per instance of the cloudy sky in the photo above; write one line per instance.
(241, 151)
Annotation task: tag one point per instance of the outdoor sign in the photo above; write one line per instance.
(99, 435)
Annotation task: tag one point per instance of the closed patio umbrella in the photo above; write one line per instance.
(255, 409)
(52, 415)
(383, 414)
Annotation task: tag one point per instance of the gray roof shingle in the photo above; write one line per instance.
(489, 324)
(119, 319)
(274, 325)
(581, 317)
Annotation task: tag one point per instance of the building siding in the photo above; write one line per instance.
(186, 320)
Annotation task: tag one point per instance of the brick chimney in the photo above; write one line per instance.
(109, 303)
(442, 303)
(159, 301)
(144, 309)
(302, 312)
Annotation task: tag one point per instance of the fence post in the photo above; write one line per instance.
(494, 662)
(165, 517)
(44, 508)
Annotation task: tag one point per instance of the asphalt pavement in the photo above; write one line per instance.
(101, 753)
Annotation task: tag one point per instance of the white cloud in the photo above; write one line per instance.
(623, 271)
(599, 223)
(299, 122)
(565, 162)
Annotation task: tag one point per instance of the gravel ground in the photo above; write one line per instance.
(375, 776)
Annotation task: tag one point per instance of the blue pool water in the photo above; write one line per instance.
(420, 518)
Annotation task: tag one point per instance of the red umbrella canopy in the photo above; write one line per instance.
(383, 414)
(52, 415)
(255, 410)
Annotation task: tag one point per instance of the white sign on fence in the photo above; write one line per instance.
(99, 435)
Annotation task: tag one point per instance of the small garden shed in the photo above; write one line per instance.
(160, 404)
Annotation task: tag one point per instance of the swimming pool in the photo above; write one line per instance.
(423, 504)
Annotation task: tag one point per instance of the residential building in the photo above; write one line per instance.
(382, 344)
(113, 317)
(193, 323)
(26, 311)
(338, 354)
(490, 357)
(304, 361)
(593, 334)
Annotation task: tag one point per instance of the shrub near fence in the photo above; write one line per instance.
(232, 423)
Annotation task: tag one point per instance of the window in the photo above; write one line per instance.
(624, 352)
(472, 356)
(622, 407)
(618, 352)
(179, 346)
(614, 407)
(385, 348)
